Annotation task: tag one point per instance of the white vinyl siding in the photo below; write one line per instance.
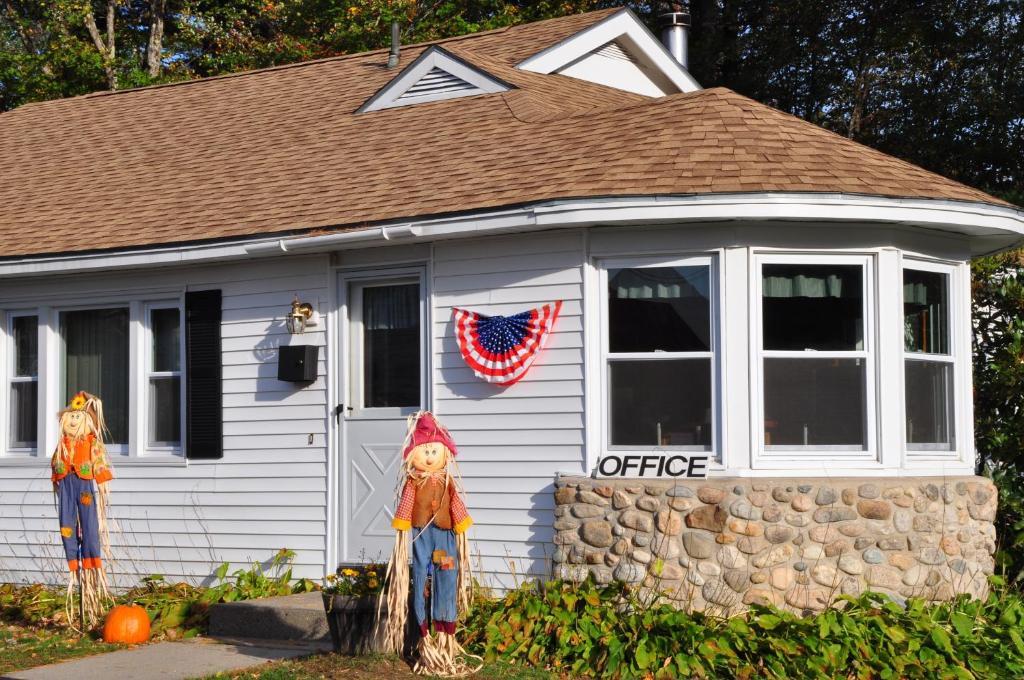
(181, 519)
(512, 441)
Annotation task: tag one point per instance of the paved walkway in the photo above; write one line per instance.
(172, 660)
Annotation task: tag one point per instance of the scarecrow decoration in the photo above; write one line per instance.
(80, 472)
(501, 349)
(432, 510)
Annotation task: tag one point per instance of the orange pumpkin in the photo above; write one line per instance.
(127, 624)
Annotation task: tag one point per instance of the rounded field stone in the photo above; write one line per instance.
(883, 577)
(868, 491)
(751, 544)
(642, 540)
(565, 523)
(851, 529)
(902, 519)
(680, 504)
(592, 498)
(598, 534)
(927, 523)
(584, 511)
(826, 575)
(709, 568)
(771, 514)
(719, 592)
(605, 491)
(837, 548)
(862, 542)
(731, 558)
(775, 555)
(647, 504)
(931, 556)
(781, 578)
(833, 514)
(782, 494)
(654, 490)
(757, 498)
(812, 551)
(738, 490)
(707, 517)
(758, 577)
(668, 522)
(807, 599)
(710, 495)
(800, 566)
(801, 503)
(874, 509)
(641, 556)
(628, 572)
(796, 520)
(697, 545)
(949, 545)
(737, 580)
(892, 543)
(902, 561)
(849, 496)
(851, 565)
(620, 500)
(680, 492)
(565, 495)
(778, 534)
(873, 556)
(744, 510)
(636, 520)
(745, 527)
(804, 488)
(826, 496)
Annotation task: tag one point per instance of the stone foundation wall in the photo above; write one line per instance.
(719, 544)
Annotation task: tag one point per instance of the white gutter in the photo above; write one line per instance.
(989, 227)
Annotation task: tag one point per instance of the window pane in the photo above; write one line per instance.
(659, 308)
(814, 402)
(925, 311)
(166, 327)
(23, 414)
(661, 403)
(165, 411)
(391, 345)
(929, 387)
(96, 360)
(817, 307)
(26, 345)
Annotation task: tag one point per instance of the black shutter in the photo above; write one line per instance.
(203, 401)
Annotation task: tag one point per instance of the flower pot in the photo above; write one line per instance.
(355, 627)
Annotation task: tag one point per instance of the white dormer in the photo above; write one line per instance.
(618, 52)
(434, 76)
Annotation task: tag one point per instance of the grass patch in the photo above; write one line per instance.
(372, 667)
(22, 647)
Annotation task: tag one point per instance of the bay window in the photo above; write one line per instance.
(24, 381)
(928, 358)
(659, 354)
(814, 355)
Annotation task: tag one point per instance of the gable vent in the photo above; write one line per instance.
(613, 50)
(436, 82)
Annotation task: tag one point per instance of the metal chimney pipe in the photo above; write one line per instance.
(396, 45)
(675, 35)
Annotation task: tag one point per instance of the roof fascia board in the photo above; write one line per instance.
(433, 57)
(989, 227)
(625, 26)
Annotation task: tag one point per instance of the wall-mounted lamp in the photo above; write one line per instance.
(300, 316)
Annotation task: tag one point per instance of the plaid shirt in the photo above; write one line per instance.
(403, 516)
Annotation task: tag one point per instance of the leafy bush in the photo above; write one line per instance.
(175, 609)
(606, 631)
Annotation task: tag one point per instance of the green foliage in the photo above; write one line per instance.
(175, 609)
(997, 290)
(607, 631)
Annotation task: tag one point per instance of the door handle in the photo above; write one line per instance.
(338, 410)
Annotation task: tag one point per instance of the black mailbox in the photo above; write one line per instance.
(297, 363)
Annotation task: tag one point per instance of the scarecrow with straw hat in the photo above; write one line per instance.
(430, 508)
(80, 472)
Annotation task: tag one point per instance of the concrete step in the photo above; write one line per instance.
(290, 617)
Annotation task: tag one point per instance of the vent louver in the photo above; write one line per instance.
(435, 82)
(613, 50)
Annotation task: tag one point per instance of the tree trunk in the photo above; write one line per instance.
(106, 48)
(154, 50)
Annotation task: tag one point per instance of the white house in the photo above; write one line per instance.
(734, 281)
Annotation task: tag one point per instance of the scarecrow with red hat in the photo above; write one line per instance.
(80, 472)
(431, 509)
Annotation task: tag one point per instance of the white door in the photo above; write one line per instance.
(383, 357)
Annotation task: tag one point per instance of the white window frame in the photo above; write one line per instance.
(162, 448)
(798, 456)
(51, 376)
(11, 377)
(925, 453)
(709, 260)
(354, 284)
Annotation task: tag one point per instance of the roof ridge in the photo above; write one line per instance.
(465, 37)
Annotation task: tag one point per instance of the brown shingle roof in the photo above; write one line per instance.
(280, 151)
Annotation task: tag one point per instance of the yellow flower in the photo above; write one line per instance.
(78, 402)
(373, 583)
(349, 572)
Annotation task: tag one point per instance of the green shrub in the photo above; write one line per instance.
(175, 609)
(605, 631)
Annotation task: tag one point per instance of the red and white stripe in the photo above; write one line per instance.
(510, 367)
